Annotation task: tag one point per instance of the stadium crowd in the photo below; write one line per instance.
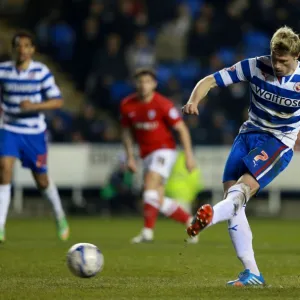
(101, 42)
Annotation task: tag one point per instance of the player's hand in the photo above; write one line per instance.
(26, 105)
(190, 163)
(131, 165)
(190, 109)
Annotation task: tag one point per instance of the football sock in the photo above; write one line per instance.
(5, 193)
(171, 209)
(151, 208)
(241, 237)
(237, 196)
(52, 195)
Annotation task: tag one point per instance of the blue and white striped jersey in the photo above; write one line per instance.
(35, 84)
(274, 103)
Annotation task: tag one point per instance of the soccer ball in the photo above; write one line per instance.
(85, 260)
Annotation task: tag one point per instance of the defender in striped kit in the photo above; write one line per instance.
(264, 146)
(27, 88)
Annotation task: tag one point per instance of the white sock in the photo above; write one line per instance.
(241, 237)
(52, 195)
(5, 192)
(237, 196)
(168, 206)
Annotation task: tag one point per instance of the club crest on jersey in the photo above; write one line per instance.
(151, 114)
(232, 68)
(131, 114)
(297, 87)
(161, 160)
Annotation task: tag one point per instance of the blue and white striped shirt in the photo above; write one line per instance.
(35, 84)
(275, 103)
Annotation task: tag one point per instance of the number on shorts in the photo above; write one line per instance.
(161, 160)
(263, 156)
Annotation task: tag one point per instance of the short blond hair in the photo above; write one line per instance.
(286, 41)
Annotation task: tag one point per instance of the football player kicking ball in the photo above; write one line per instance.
(264, 146)
(149, 118)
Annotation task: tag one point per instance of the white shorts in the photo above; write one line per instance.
(160, 161)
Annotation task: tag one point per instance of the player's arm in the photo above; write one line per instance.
(186, 142)
(51, 94)
(237, 73)
(174, 120)
(50, 104)
(200, 91)
(127, 140)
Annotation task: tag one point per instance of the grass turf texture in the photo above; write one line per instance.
(32, 262)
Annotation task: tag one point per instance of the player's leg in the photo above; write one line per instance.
(162, 164)
(34, 157)
(237, 197)
(151, 204)
(241, 237)
(173, 210)
(266, 158)
(263, 163)
(6, 168)
(157, 169)
(50, 192)
(206, 215)
(9, 151)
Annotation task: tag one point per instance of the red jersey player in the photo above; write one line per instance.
(149, 118)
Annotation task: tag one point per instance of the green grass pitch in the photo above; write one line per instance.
(32, 262)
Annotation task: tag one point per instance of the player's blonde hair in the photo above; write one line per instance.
(286, 41)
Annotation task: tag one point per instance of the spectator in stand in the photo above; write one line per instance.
(4, 54)
(124, 22)
(91, 39)
(198, 132)
(58, 130)
(119, 193)
(43, 29)
(62, 39)
(173, 34)
(201, 43)
(173, 91)
(179, 30)
(86, 126)
(108, 66)
(219, 133)
(140, 53)
(111, 134)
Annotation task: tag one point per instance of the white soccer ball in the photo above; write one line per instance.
(85, 260)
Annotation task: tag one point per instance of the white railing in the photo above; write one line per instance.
(83, 166)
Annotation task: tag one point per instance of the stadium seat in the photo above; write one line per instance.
(119, 90)
(227, 56)
(256, 43)
(187, 72)
(193, 5)
(163, 73)
(152, 34)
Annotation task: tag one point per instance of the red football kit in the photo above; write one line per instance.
(151, 122)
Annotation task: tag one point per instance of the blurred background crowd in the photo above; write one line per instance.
(101, 42)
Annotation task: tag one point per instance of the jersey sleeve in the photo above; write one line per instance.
(50, 89)
(124, 119)
(239, 72)
(171, 114)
